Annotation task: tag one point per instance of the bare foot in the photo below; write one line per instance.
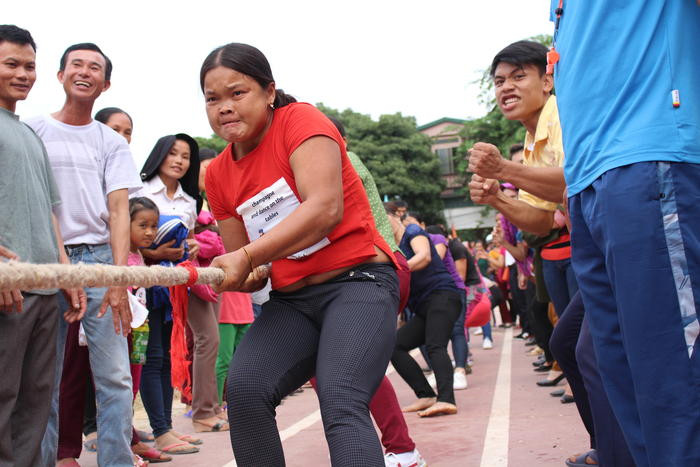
(420, 404)
(439, 408)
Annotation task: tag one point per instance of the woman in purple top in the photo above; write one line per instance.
(441, 246)
(460, 348)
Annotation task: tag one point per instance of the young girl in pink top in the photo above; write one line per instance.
(144, 225)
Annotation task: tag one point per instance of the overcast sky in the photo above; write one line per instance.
(376, 57)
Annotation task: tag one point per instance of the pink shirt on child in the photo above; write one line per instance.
(235, 308)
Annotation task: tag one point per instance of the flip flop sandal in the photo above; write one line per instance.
(90, 445)
(139, 462)
(155, 456)
(581, 459)
(169, 449)
(190, 439)
(218, 426)
(145, 436)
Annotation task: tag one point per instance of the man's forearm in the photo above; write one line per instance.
(119, 225)
(514, 250)
(544, 182)
(119, 237)
(62, 256)
(524, 216)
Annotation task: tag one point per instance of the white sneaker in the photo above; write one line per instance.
(488, 344)
(459, 381)
(405, 459)
(431, 380)
(478, 332)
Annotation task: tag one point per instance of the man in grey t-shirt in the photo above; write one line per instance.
(28, 231)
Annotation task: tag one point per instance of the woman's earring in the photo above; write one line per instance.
(272, 106)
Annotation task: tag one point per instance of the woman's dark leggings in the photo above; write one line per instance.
(541, 326)
(343, 332)
(432, 325)
(563, 345)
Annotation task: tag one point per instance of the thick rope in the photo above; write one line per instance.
(25, 276)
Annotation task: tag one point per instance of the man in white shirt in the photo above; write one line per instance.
(94, 171)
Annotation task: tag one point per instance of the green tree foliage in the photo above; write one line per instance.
(215, 143)
(398, 156)
(394, 151)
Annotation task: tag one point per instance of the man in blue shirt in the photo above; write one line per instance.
(629, 106)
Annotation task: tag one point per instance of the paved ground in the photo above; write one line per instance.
(504, 420)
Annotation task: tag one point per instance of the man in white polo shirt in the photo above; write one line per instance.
(94, 171)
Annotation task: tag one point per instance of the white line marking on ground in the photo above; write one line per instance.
(315, 417)
(495, 453)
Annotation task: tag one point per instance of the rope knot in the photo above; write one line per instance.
(194, 275)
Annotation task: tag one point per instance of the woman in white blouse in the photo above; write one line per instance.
(170, 179)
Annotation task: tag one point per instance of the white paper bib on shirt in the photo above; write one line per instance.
(268, 208)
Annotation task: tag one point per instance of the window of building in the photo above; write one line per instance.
(446, 157)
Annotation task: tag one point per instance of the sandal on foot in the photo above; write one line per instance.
(200, 427)
(90, 443)
(581, 459)
(170, 449)
(190, 439)
(155, 456)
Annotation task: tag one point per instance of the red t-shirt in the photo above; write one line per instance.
(259, 190)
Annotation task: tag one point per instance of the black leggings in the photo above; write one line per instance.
(341, 331)
(541, 326)
(431, 325)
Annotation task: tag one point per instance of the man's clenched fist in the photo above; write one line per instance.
(486, 160)
(483, 190)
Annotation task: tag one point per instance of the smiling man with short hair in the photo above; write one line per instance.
(28, 231)
(95, 172)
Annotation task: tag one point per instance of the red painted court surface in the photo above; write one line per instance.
(504, 419)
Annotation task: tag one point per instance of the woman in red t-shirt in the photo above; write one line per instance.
(284, 192)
